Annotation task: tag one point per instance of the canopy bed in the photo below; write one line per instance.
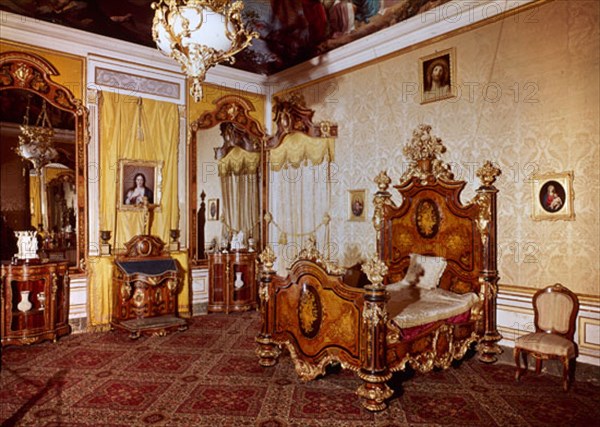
(431, 292)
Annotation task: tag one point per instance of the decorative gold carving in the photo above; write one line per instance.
(311, 253)
(483, 200)
(325, 128)
(428, 218)
(488, 173)
(383, 181)
(425, 361)
(373, 314)
(375, 269)
(263, 292)
(267, 351)
(307, 371)
(267, 258)
(374, 391)
(138, 297)
(172, 285)
(125, 290)
(21, 74)
(423, 150)
(309, 312)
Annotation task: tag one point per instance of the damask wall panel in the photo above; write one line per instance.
(527, 99)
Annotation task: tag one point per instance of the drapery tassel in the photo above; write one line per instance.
(140, 130)
(283, 238)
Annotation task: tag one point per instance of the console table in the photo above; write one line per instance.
(146, 282)
(232, 282)
(35, 302)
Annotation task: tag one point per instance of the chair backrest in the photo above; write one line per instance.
(555, 309)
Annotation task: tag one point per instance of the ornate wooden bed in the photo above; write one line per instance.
(321, 319)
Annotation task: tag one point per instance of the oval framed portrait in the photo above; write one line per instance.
(553, 196)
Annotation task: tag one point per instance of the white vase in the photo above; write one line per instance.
(24, 305)
(239, 283)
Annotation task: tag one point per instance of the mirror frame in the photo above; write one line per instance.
(229, 108)
(32, 73)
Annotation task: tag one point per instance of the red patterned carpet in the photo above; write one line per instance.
(209, 376)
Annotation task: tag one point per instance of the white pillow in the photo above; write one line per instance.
(427, 270)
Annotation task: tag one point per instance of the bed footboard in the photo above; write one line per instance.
(314, 315)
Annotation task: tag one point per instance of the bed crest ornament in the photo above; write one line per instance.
(311, 253)
(423, 150)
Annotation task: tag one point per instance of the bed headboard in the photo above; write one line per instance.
(431, 219)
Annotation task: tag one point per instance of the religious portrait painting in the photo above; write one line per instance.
(437, 76)
(212, 211)
(139, 182)
(553, 196)
(356, 205)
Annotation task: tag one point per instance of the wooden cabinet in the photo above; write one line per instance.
(146, 283)
(35, 302)
(232, 282)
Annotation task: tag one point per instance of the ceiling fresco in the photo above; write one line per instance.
(291, 31)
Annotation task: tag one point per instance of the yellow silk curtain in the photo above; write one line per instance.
(298, 147)
(120, 138)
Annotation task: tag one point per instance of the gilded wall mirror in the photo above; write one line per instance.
(43, 129)
(226, 153)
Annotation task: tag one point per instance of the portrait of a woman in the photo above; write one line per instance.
(135, 195)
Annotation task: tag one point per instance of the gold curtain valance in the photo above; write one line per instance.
(239, 162)
(298, 147)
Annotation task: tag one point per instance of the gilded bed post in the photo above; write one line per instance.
(488, 347)
(266, 350)
(381, 198)
(374, 370)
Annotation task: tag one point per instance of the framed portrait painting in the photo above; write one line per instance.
(212, 210)
(356, 205)
(553, 196)
(139, 180)
(437, 76)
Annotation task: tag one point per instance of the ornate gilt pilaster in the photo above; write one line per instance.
(381, 198)
(488, 347)
(374, 370)
(266, 350)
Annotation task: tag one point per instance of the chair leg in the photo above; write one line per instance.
(517, 354)
(524, 357)
(566, 370)
(538, 365)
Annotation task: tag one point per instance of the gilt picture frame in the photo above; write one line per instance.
(212, 210)
(139, 179)
(553, 196)
(357, 205)
(437, 76)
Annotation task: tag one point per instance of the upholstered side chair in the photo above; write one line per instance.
(555, 310)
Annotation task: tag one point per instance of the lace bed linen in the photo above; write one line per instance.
(411, 306)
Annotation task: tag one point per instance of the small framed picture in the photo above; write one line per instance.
(553, 196)
(356, 205)
(212, 210)
(437, 74)
(139, 179)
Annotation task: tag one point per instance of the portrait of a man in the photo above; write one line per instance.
(437, 76)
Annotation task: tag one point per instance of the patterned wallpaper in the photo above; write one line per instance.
(527, 99)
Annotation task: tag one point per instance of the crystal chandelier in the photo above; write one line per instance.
(35, 142)
(199, 34)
